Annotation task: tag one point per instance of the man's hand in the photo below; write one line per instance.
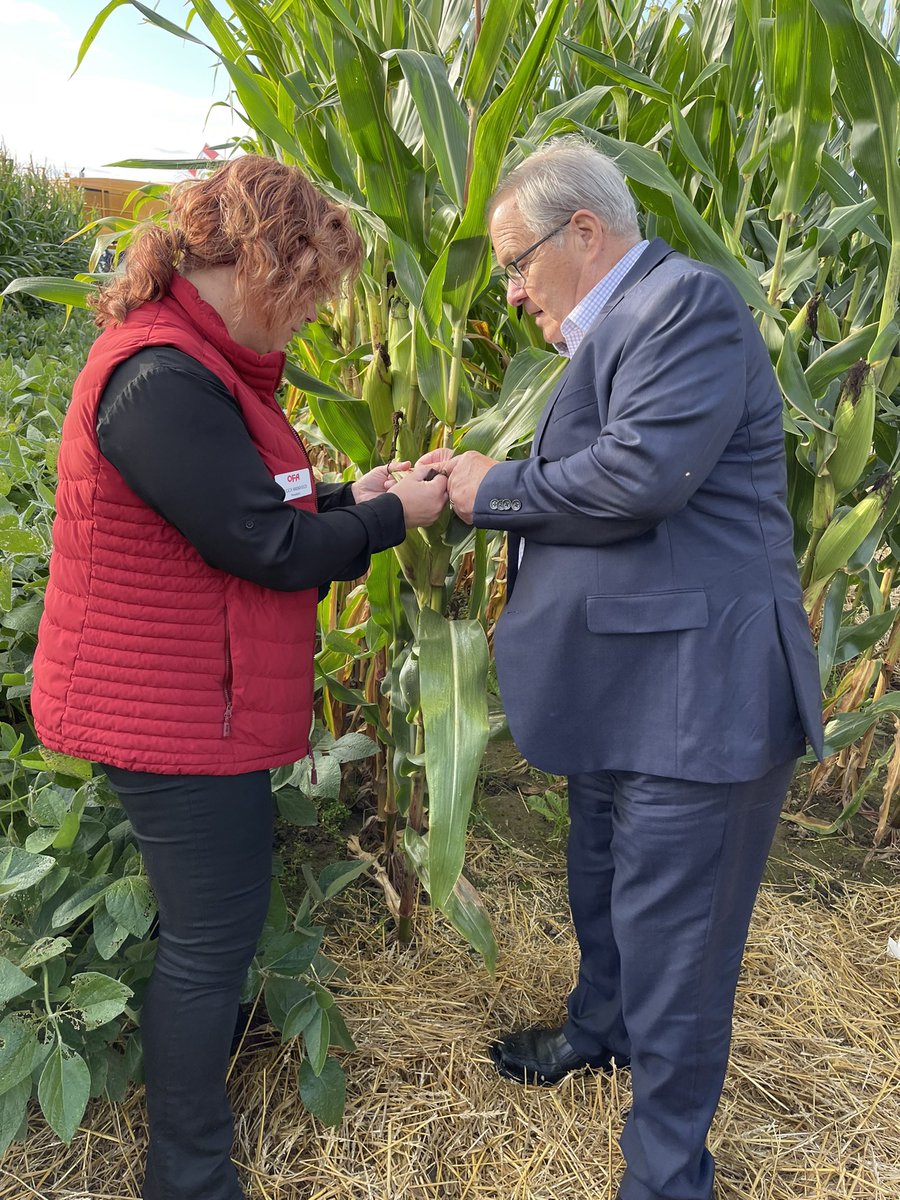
(465, 475)
(377, 481)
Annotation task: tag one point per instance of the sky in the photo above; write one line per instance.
(139, 93)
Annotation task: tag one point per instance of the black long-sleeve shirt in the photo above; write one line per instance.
(176, 435)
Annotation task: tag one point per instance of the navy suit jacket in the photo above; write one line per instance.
(656, 622)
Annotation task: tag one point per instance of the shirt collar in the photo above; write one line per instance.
(584, 315)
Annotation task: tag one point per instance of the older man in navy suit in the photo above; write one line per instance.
(654, 648)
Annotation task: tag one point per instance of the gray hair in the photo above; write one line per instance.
(566, 174)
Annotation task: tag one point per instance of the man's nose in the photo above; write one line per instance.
(516, 293)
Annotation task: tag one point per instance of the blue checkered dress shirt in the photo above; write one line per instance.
(586, 312)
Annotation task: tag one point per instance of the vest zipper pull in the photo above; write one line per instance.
(226, 724)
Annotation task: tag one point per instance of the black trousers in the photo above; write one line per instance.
(662, 878)
(207, 845)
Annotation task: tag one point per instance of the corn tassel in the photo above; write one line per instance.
(854, 422)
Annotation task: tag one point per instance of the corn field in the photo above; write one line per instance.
(760, 136)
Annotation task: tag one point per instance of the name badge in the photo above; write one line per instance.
(295, 483)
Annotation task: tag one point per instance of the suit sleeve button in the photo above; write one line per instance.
(249, 524)
(516, 505)
(494, 505)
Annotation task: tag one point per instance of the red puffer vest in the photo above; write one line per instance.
(148, 658)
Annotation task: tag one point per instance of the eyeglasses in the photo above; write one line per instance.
(512, 269)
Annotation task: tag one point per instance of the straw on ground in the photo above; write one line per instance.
(811, 1106)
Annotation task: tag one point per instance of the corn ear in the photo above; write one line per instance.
(377, 390)
(843, 537)
(400, 345)
(853, 425)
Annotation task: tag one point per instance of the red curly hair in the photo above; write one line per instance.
(289, 243)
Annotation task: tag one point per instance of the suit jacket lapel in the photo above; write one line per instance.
(651, 258)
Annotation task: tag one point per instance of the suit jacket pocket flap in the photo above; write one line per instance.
(647, 612)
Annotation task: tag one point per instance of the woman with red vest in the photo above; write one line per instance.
(189, 549)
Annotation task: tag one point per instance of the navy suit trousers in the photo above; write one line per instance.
(663, 874)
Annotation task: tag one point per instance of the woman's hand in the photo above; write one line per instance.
(423, 499)
(377, 481)
(465, 474)
(435, 459)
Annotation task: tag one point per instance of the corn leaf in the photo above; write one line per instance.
(50, 287)
(453, 662)
(395, 183)
(869, 82)
(443, 122)
(529, 380)
(802, 95)
(492, 41)
(464, 909)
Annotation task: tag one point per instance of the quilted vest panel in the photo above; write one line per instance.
(148, 658)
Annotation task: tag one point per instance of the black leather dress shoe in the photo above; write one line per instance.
(543, 1056)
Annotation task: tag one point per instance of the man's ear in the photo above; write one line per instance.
(589, 229)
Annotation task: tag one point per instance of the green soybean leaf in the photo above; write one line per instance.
(116, 1076)
(295, 807)
(20, 541)
(18, 1048)
(13, 1107)
(79, 902)
(98, 998)
(13, 982)
(316, 1038)
(340, 1034)
(63, 1091)
(109, 935)
(20, 870)
(352, 747)
(337, 876)
(65, 764)
(43, 950)
(292, 953)
(299, 1017)
(323, 1094)
(131, 903)
(282, 995)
